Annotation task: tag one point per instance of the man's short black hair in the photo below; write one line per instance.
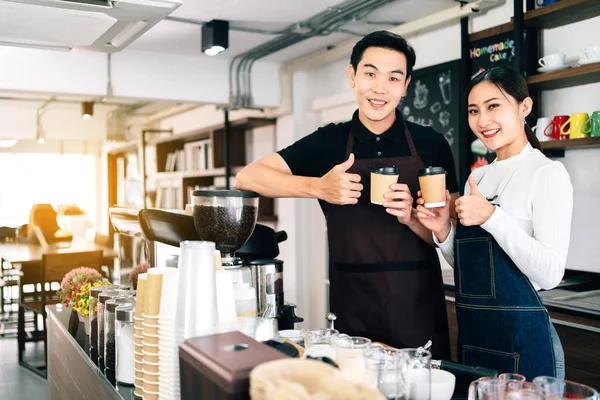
(386, 40)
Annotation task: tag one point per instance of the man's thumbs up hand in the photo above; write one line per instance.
(338, 186)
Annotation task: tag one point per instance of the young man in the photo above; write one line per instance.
(385, 278)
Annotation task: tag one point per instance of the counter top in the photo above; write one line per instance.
(578, 292)
(71, 331)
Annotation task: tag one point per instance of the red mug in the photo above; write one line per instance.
(553, 130)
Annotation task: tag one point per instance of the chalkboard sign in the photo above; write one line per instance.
(434, 98)
(500, 50)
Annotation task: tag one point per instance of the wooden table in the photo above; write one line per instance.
(26, 253)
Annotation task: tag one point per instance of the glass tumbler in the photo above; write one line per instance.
(416, 372)
(556, 388)
(349, 355)
(383, 371)
(318, 342)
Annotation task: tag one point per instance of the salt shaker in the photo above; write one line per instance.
(102, 297)
(124, 344)
(109, 332)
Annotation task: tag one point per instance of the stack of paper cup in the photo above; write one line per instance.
(168, 386)
(196, 313)
(150, 333)
(138, 337)
(225, 298)
(196, 306)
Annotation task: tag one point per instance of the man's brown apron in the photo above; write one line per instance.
(385, 282)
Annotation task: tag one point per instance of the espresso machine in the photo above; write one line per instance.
(248, 250)
(228, 218)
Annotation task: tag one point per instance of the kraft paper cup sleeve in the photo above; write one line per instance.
(140, 299)
(153, 291)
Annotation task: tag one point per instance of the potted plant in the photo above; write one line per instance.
(133, 275)
(75, 291)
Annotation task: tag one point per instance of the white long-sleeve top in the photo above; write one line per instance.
(533, 223)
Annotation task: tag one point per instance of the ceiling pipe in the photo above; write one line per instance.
(321, 24)
(426, 23)
(343, 50)
(240, 87)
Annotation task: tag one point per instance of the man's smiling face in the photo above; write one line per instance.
(379, 84)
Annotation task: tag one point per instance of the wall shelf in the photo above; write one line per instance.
(196, 174)
(564, 12)
(566, 78)
(581, 143)
(204, 133)
(125, 147)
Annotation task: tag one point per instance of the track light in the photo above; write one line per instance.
(87, 109)
(215, 37)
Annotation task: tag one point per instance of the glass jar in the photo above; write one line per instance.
(93, 312)
(225, 217)
(102, 297)
(109, 331)
(124, 344)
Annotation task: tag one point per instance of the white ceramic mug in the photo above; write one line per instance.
(553, 60)
(592, 53)
(539, 127)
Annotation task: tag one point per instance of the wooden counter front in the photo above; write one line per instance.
(71, 372)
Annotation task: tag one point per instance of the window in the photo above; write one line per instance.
(27, 179)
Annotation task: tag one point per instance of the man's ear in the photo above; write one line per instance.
(408, 78)
(351, 76)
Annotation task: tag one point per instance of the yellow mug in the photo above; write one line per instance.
(578, 122)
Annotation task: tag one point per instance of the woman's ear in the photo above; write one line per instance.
(526, 106)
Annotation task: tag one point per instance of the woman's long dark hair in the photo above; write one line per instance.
(510, 81)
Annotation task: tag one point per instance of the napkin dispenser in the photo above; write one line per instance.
(218, 366)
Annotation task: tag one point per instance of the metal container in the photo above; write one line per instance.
(267, 279)
(93, 313)
(124, 344)
(102, 297)
(109, 331)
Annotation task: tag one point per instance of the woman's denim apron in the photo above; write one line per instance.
(502, 321)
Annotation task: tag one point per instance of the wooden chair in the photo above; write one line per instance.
(53, 268)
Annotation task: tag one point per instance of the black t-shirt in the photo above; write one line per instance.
(316, 154)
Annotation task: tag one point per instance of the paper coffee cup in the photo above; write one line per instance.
(381, 180)
(433, 186)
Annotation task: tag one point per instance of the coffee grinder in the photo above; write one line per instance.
(228, 218)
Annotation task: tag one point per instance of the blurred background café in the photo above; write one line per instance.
(131, 268)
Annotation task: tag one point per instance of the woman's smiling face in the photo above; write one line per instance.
(496, 118)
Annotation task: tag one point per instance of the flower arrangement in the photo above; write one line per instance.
(75, 288)
(138, 269)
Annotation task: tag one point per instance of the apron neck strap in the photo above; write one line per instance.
(409, 139)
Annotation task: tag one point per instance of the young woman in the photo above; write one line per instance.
(512, 236)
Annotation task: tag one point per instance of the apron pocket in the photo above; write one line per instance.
(475, 268)
(499, 360)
